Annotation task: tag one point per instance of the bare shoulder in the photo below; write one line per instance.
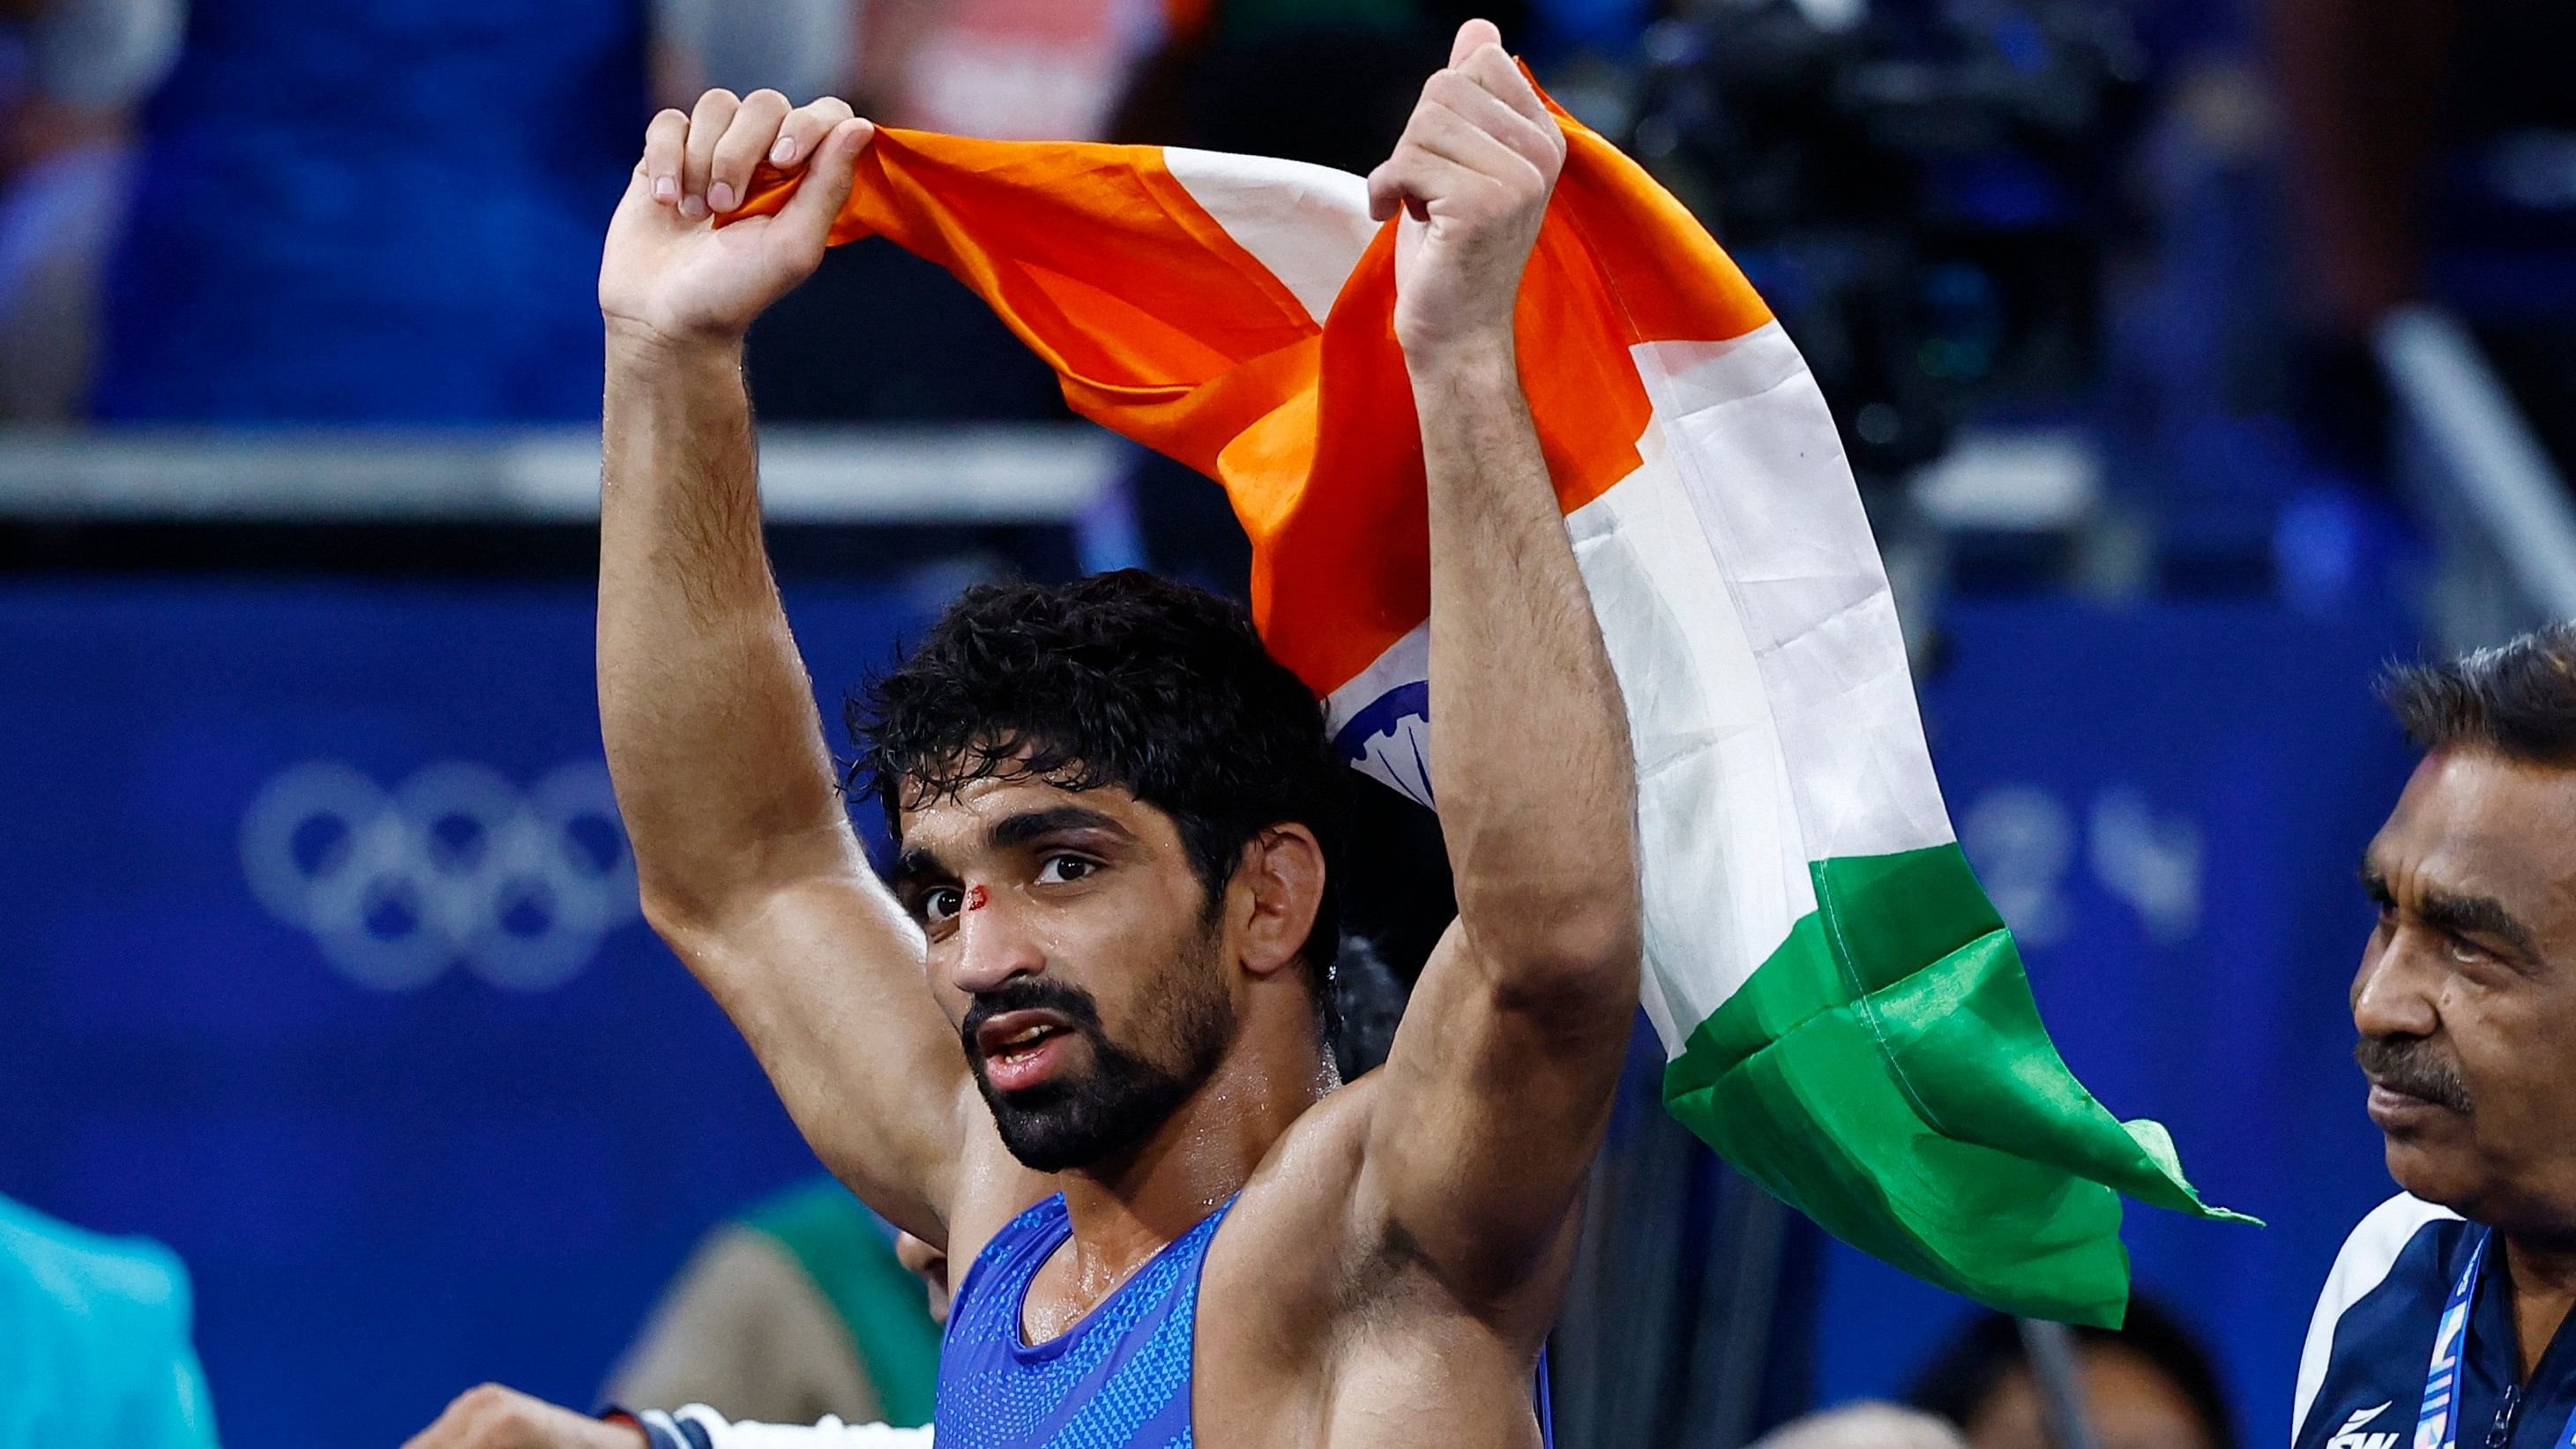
(1308, 1236)
(1274, 1289)
(1293, 1220)
(1314, 1328)
(1288, 1245)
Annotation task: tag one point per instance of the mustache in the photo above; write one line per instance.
(1068, 1001)
(2412, 1065)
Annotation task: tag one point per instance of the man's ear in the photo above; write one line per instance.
(1281, 886)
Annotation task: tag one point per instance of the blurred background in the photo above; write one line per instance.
(2196, 356)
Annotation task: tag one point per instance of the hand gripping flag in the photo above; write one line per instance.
(1844, 1014)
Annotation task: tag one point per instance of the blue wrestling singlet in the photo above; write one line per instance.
(1119, 1379)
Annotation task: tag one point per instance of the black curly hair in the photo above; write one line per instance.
(1119, 679)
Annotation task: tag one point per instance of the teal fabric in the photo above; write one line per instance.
(95, 1351)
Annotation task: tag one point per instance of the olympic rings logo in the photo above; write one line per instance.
(456, 865)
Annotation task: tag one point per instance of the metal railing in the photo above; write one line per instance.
(987, 474)
(2504, 527)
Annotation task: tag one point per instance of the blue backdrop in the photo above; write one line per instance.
(2169, 806)
(455, 1116)
(394, 1168)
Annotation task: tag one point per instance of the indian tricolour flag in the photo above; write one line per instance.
(1845, 1016)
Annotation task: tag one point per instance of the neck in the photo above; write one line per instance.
(1125, 1211)
(2543, 1273)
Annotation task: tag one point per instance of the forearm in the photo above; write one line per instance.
(722, 773)
(747, 862)
(1499, 1084)
(1530, 758)
(746, 859)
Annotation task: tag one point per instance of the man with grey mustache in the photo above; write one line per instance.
(2443, 1320)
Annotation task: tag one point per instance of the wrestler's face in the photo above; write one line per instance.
(1082, 960)
(2466, 997)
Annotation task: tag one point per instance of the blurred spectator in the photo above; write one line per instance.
(95, 1337)
(2148, 1385)
(1329, 83)
(1024, 68)
(376, 211)
(803, 48)
(797, 1310)
(2421, 122)
(71, 72)
(2362, 88)
(388, 211)
(1864, 1426)
(2435, 151)
(1034, 69)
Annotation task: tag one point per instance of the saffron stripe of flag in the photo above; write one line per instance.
(1846, 1018)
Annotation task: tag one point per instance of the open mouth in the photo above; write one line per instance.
(1019, 1046)
(1020, 1049)
(1017, 1032)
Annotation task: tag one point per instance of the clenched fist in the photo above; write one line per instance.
(492, 1417)
(668, 272)
(1472, 174)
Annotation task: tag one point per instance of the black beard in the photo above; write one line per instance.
(1111, 1109)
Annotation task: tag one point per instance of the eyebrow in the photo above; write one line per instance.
(920, 863)
(916, 864)
(1028, 825)
(2460, 915)
(2475, 916)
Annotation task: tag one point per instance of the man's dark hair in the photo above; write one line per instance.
(1119, 679)
(1368, 1004)
(1964, 1375)
(2517, 699)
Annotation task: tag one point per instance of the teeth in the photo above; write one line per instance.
(1026, 1037)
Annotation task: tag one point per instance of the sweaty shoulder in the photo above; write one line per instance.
(1276, 1280)
(1288, 1241)
(1303, 1187)
(2371, 1330)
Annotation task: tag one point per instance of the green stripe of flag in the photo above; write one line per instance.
(1885, 1072)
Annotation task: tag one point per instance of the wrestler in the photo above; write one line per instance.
(1079, 1042)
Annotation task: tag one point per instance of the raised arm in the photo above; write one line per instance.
(748, 863)
(1500, 1080)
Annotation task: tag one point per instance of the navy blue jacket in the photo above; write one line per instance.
(2361, 1378)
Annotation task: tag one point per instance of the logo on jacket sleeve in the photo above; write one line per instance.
(2350, 1436)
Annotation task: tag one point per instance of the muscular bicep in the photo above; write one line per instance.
(822, 974)
(1492, 1102)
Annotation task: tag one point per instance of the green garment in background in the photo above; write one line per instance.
(850, 1256)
